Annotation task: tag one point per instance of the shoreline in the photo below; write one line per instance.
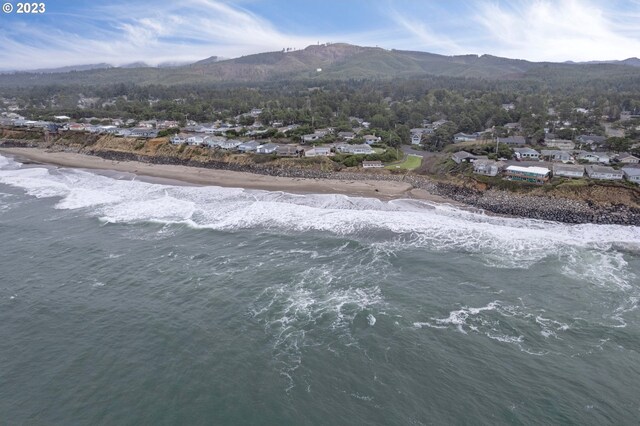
(385, 187)
(190, 175)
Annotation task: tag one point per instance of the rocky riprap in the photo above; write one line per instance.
(494, 201)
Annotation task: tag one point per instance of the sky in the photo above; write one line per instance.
(160, 31)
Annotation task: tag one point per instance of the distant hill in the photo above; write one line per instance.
(632, 62)
(338, 61)
(70, 68)
(138, 64)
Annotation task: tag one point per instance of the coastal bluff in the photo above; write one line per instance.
(595, 203)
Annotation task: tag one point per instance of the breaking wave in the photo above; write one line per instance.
(589, 252)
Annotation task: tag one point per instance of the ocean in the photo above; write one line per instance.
(124, 301)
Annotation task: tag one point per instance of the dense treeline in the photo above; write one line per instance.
(471, 105)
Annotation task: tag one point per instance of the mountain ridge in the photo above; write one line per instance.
(338, 61)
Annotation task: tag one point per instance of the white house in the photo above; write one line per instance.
(538, 175)
(230, 144)
(560, 144)
(178, 139)
(268, 148)
(250, 146)
(604, 173)
(487, 167)
(464, 137)
(594, 157)
(355, 149)
(313, 136)
(416, 134)
(372, 164)
(568, 170)
(371, 139)
(195, 140)
(319, 151)
(526, 154)
(347, 136)
(627, 158)
(632, 174)
(556, 155)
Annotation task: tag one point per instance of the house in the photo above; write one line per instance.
(593, 157)
(346, 136)
(229, 144)
(512, 140)
(143, 132)
(195, 140)
(313, 136)
(318, 151)
(372, 164)
(632, 174)
(556, 155)
(355, 149)
(75, 127)
(560, 144)
(604, 173)
(268, 148)
(371, 139)
(508, 107)
(123, 132)
(417, 134)
(526, 154)
(464, 137)
(591, 140)
(568, 170)
(213, 141)
(178, 139)
(287, 151)
(463, 157)
(487, 167)
(626, 158)
(250, 146)
(438, 123)
(537, 175)
(515, 127)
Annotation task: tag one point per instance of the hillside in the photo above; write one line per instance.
(330, 62)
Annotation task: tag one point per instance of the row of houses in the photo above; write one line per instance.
(565, 156)
(267, 148)
(551, 141)
(540, 175)
(345, 136)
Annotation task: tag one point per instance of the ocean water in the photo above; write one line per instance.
(130, 302)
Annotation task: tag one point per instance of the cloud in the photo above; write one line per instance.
(425, 37)
(556, 31)
(161, 31)
(151, 32)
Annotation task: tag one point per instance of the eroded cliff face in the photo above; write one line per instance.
(573, 201)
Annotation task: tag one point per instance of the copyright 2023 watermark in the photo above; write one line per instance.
(24, 8)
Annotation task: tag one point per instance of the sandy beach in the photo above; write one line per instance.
(384, 190)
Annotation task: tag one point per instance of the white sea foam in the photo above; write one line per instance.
(311, 307)
(502, 322)
(401, 224)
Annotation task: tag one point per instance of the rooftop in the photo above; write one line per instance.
(537, 170)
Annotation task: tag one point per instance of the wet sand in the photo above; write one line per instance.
(165, 173)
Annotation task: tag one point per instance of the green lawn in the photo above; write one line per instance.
(412, 162)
